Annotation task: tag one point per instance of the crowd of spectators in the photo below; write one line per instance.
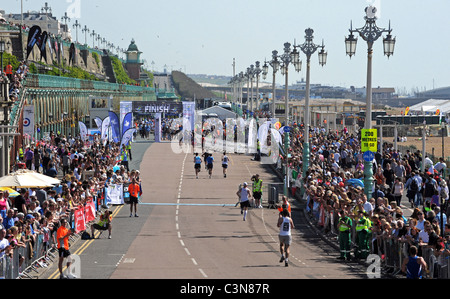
(84, 170)
(334, 184)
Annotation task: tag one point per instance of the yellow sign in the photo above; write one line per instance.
(369, 140)
(406, 111)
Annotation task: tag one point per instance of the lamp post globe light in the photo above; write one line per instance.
(309, 48)
(369, 33)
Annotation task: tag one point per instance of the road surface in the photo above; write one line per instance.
(189, 228)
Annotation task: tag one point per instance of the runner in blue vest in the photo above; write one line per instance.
(414, 266)
(197, 164)
(209, 164)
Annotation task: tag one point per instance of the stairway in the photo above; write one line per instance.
(109, 70)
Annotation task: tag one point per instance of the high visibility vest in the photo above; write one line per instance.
(362, 224)
(257, 186)
(344, 228)
(20, 152)
(124, 156)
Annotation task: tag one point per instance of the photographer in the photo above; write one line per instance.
(257, 190)
(104, 223)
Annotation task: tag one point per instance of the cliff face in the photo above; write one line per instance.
(187, 88)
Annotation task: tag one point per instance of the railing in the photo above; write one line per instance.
(47, 81)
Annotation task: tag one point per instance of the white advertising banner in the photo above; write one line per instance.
(28, 120)
(114, 194)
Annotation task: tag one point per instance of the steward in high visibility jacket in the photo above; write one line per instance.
(257, 190)
(124, 157)
(362, 232)
(344, 226)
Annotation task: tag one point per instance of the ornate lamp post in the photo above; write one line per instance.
(309, 48)
(86, 31)
(257, 71)
(287, 58)
(369, 33)
(76, 25)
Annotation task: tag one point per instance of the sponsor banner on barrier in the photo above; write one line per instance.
(114, 194)
(80, 221)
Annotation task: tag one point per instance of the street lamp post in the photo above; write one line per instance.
(76, 25)
(369, 33)
(287, 58)
(257, 71)
(86, 31)
(275, 64)
(309, 48)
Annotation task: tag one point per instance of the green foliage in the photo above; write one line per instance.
(96, 58)
(10, 59)
(121, 75)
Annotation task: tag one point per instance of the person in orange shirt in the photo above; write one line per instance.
(62, 235)
(134, 190)
(285, 205)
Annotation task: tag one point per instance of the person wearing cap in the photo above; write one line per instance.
(244, 195)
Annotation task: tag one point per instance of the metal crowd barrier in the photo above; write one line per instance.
(26, 260)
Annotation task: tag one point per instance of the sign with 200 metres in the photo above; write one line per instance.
(369, 140)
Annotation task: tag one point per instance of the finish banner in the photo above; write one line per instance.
(146, 107)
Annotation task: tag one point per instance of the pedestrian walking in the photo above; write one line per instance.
(197, 164)
(244, 195)
(225, 164)
(62, 235)
(286, 225)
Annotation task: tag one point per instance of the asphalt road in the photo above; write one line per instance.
(189, 228)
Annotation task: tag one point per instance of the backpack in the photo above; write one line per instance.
(414, 185)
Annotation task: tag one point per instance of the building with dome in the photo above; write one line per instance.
(133, 61)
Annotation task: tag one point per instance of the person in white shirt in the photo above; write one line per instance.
(245, 195)
(286, 225)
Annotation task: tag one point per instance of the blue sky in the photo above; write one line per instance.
(203, 36)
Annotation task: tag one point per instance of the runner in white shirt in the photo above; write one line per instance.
(286, 225)
(225, 164)
(245, 195)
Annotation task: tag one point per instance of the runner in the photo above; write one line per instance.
(209, 163)
(285, 224)
(245, 195)
(225, 164)
(197, 164)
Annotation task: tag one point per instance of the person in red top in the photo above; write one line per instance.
(134, 190)
(62, 237)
